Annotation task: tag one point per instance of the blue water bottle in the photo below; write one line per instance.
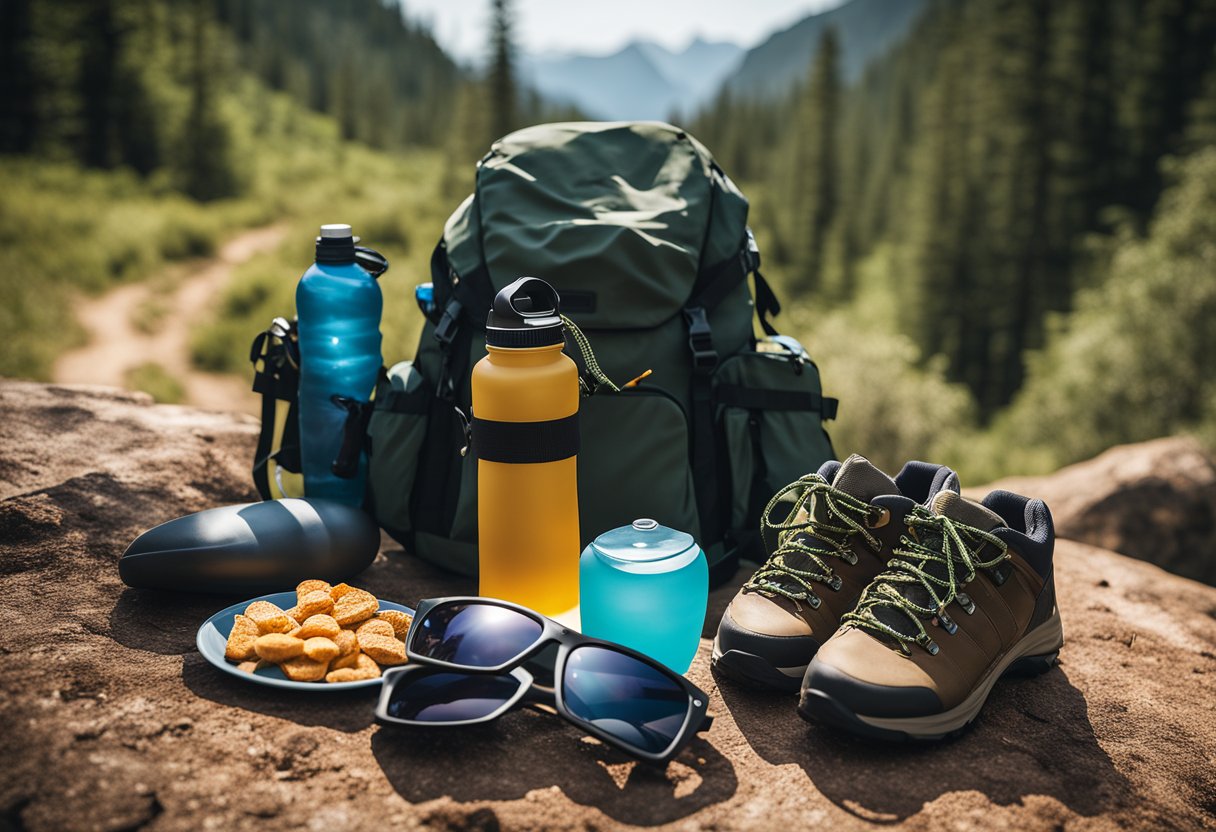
(646, 586)
(339, 303)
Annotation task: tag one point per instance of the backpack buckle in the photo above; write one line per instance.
(700, 340)
(751, 253)
(445, 330)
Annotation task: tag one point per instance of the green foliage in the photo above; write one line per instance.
(157, 382)
(206, 164)
(984, 152)
(1134, 361)
(892, 408)
(63, 229)
(815, 168)
(501, 75)
(380, 76)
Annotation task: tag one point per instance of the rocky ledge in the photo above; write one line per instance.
(1155, 501)
(113, 721)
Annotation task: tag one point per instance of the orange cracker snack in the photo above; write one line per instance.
(278, 647)
(364, 669)
(304, 669)
(315, 603)
(384, 650)
(240, 641)
(355, 606)
(269, 618)
(319, 625)
(349, 660)
(321, 649)
(401, 621)
(378, 626)
(338, 591)
(306, 587)
(347, 642)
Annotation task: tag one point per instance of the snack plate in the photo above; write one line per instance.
(213, 638)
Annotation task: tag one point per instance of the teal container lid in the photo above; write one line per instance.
(645, 541)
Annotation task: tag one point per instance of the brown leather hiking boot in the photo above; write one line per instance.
(968, 597)
(832, 532)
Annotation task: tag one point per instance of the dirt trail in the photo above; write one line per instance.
(116, 346)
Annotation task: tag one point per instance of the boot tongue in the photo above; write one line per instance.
(957, 507)
(858, 478)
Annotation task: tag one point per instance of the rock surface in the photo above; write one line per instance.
(1155, 501)
(113, 721)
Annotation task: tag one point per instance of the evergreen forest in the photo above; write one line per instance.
(998, 241)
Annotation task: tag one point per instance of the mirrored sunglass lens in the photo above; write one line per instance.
(474, 635)
(449, 697)
(629, 699)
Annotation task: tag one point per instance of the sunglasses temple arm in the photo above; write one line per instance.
(539, 694)
(707, 722)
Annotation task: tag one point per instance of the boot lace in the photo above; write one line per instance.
(817, 541)
(950, 546)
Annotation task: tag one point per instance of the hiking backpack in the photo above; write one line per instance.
(645, 239)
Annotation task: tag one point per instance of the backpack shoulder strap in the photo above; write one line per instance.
(277, 381)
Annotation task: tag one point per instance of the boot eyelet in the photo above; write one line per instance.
(1000, 573)
(881, 519)
(836, 583)
(850, 558)
(966, 603)
(947, 623)
(932, 647)
(813, 600)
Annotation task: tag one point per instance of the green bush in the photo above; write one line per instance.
(1137, 358)
(157, 382)
(892, 408)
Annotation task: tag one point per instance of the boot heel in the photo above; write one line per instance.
(1032, 665)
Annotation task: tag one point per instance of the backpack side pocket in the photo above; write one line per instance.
(770, 412)
(396, 433)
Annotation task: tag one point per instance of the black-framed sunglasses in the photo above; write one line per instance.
(467, 659)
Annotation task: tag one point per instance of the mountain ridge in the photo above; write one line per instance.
(643, 80)
(866, 29)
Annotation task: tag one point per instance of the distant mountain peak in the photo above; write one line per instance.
(866, 28)
(642, 80)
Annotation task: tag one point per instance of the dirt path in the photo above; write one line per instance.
(116, 345)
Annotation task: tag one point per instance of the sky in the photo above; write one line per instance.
(601, 27)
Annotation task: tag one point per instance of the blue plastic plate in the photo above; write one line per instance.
(213, 638)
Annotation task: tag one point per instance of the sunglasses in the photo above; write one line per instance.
(474, 659)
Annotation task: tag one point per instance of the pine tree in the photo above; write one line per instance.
(501, 76)
(207, 165)
(1201, 118)
(18, 83)
(816, 169)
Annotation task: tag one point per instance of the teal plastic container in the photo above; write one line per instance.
(646, 586)
(339, 304)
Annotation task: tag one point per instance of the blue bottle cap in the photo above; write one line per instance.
(643, 542)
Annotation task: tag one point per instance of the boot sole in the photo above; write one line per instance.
(756, 671)
(1034, 654)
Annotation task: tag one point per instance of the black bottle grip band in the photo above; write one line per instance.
(524, 442)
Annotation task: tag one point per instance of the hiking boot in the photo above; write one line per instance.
(968, 597)
(833, 531)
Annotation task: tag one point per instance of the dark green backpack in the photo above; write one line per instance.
(646, 240)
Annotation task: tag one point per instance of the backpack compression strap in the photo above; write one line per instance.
(712, 287)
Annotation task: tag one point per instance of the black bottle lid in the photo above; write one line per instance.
(526, 313)
(336, 244)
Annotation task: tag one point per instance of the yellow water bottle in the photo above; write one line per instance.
(525, 435)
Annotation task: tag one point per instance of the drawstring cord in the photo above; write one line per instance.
(593, 366)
